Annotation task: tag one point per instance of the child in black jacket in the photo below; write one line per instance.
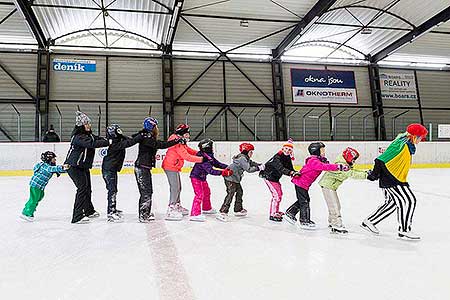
(112, 164)
(80, 158)
(145, 161)
(280, 164)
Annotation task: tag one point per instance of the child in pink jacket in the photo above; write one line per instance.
(314, 165)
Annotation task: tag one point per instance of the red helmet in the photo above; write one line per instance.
(417, 130)
(246, 147)
(350, 154)
(182, 129)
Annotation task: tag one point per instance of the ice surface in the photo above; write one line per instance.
(248, 258)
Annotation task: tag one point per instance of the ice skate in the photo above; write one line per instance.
(27, 218)
(199, 218)
(290, 218)
(119, 212)
(241, 213)
(212, 211)
(84, 220)
(173, 214)
(408, 236)
(277, 217)
(369, 226)
(94, 215)
(222, 217)
(308, 225)
(338, 229)
(114, 218)
(182, 210)
(147, 218)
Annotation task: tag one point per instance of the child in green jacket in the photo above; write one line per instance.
(42, 172)
(331, 181)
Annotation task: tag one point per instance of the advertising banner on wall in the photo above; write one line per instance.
(398, 86)
(74, 65)
(323, 86)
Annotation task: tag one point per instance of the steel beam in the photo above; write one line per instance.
(425, 27)
(278, 100)
(168, 96)
(174, 20)
(24, 6)
(315, 12)
(377, 102)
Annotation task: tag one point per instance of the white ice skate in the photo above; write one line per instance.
(222, 217)
(115, 218)
(94, 215)
(212, 211)
(84, 220)
(182, 210)
(26, 218)
(199, 218)
(369, 226)
(408, 236)
(173, 214)
(242, 213)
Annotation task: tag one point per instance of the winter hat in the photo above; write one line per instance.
(289, 143)
(82, 119)
(417, 130)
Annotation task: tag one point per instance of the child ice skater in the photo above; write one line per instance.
(314, 165)
(42, 172)
(331, 181)
(391, 169)
(112, 164)
(202, 199)
(144, 163)
(241, 162)
(280, 164)
(172, 164)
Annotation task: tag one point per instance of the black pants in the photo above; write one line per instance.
(301, 205)
(233, 188)
(398, 199)
(110, 178)
(145, 186)
(83, 203)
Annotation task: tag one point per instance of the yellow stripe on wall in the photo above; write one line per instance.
(187, 170)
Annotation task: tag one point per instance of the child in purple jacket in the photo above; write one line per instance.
(202, 199)
(314, 165)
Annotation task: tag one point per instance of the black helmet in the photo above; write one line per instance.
(206, 145)
(314, 148)
(47, 157)
(113, 131)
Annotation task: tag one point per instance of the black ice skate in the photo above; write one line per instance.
(338, 229)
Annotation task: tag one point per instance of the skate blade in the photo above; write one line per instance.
(290, 221)
(368, 230)
(407, 239)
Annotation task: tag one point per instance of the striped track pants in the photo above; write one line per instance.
(400, 199)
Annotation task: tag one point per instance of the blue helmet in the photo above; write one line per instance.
(113, 131)
(150, 123)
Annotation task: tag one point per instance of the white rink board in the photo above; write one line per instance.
(23, 156)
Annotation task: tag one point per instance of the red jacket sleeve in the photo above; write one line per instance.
(183, 152)
(190, 150)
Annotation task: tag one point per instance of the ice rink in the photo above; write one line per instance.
(247, 258)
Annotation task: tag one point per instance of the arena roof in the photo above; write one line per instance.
(390, 31)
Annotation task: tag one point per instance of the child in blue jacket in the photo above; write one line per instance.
(42, 172)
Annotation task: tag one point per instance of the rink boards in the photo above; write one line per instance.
(19, 158)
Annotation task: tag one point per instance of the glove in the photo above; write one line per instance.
(371, 176)
(262, 167)
(181, 141)
(66, 167)
(296, 174)
(227, 172)
(344, 168)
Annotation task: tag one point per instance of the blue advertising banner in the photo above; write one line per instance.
(323, 86)
(74, 65)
